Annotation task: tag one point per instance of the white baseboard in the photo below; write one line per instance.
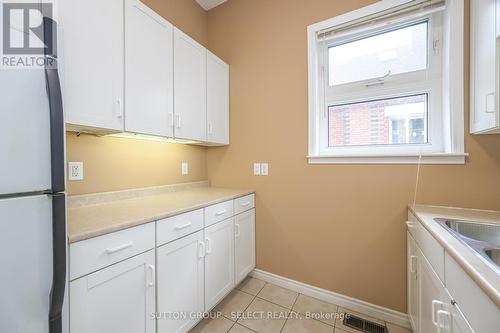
(369, 309)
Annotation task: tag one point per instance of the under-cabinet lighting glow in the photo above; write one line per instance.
(127, 135)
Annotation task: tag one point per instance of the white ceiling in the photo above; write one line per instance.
(209, 4)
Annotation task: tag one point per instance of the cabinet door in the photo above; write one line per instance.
(244, 244)
(432, 296)
(217, 100)
(498, 21)
(413, 282)
(219, 262)
(92, 73)
(119, 298)
(190, 94)
(180, 283)
(453, 316)
(484, 115)
(148, 71)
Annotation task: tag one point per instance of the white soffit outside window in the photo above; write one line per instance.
(445, 110)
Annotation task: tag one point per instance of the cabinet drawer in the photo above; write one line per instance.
(92, 254)
(430, 247)
(244, 203)
(178, 226)
(218, 212)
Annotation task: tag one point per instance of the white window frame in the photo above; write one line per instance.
(445, 115)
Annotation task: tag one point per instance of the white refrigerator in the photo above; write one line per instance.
(32, 199)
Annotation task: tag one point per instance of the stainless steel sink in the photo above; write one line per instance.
(483, 238)
(494, 255)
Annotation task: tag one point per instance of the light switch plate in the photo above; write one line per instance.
(264, 169)
(75, 170)
(185, 168)
(256, 169)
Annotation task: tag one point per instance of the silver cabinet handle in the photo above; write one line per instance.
(246, 203)
(152, 281)
(112, 250)
(178, 120)
(434, 305)
(184, 226)
(171, 119)
(413, 262)
(237, 230)
(208, 247)
(222, 212)
(120, 108)
(441, 325)
(201, 250)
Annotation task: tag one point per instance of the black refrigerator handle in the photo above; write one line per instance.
(56, 106)
(59, 262)
(57, 172)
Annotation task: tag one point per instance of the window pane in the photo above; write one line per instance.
(399, 51)
(401, 120)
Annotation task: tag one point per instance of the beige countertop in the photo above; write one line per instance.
(93, 220)
(484, 275)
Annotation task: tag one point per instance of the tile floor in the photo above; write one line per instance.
(257, 306)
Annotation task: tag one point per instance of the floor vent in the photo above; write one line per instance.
(363, 325)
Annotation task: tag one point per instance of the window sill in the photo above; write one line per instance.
(445, 158)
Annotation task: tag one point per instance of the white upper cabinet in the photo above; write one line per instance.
(148, 71)
(190, 93)
(92, 72)
(217, 100)
(126, 68)
(484, 69)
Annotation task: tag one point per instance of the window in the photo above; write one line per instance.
(391, 121)
(397, 51)
(381, 84)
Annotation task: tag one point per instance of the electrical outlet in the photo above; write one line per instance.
(256, 169)
(264, 169)
(75, 170)
(184, 168)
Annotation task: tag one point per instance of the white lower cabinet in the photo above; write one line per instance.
(439, 312)
(180, 283)
(431, 298)
(119, 298)
(481, 312)
(431, 308)
(162, 276)
(244, 244)
(219, 262)
(413, 282)
(456, 318)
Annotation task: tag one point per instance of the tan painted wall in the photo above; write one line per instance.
(115, 164)
(338, 227)
(186, 15)
(112, 164)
